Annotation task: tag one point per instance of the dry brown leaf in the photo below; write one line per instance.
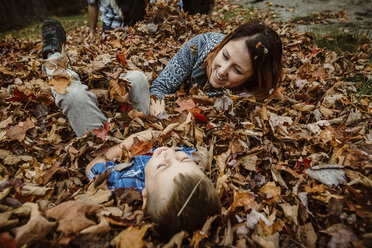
(303, 107)
(5, 219)
(5, 123)
(199, 135)
(228, 235)
(248, 162)
(185, 105)
(53, 137)
(242, 199)
(271, 241)
(307, 235)
(29, 189)
(176, 240)
(271, 192)
(95, 196)
(18, 132)
(102, 227)
(132, 237)
(221, 160)
(290, 211)
(117, 90)
(72, 216)
(60, 84)
(35, 229)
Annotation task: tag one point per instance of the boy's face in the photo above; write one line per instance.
(163, 167)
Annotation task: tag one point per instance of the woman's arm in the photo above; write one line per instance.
(177, 71)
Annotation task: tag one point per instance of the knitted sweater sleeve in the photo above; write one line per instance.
(181, 66)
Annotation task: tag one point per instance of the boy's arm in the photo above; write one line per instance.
(114, 152)
(99, 159)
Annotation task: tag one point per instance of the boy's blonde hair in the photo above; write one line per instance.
(170, 219)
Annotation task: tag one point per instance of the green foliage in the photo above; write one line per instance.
(365, 87)
(362, 82)
(339, 40)
(308, 18)
(33, 30)
(240, 11)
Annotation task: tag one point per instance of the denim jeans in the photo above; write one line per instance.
(81, 106)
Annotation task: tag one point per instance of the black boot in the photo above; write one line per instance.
(54, 37)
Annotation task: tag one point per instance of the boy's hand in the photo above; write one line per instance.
(156, 107)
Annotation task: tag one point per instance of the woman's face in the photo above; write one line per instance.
(232, 65)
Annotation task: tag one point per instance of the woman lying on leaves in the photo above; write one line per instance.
(248, 58)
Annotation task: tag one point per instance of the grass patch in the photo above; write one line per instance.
(365, 88)
(33, 30)
(243, 12)
(308, 18)
(339, 40)
(363, 84)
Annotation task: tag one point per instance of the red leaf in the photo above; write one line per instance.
(6, 240)
(307, 163)
(140, 149)
(19, 96)
(315, 51)
(18, 132)
(196, 112)
(102, 131)
(122, 58)
(125, 107)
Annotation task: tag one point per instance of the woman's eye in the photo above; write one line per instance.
(225, 56)
(237, 71)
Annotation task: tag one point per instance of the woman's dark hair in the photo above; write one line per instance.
(265, 49)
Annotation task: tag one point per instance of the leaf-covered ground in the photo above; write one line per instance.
(292, 171)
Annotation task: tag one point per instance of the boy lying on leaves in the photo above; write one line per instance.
(176, 193)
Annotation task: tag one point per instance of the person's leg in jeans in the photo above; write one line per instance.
(77, 103)
(139, 93)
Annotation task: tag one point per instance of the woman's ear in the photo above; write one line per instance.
(144, 199)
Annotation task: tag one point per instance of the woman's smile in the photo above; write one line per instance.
(231, 67)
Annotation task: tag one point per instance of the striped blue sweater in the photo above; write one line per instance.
(187, 67)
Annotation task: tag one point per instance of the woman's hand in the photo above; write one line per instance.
(156, 107)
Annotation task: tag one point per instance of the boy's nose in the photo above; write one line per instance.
(169, 154)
